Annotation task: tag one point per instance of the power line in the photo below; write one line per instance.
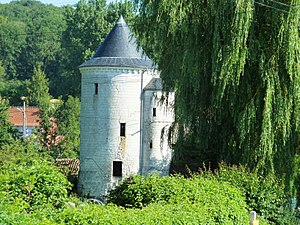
(279, 3)
(271, 7)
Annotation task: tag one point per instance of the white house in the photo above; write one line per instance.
(121, 117)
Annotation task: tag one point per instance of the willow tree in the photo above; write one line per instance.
(234, 66)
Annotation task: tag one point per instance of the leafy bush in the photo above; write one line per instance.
(7, 130)
(218, 201)
(29, 178)
(168, 214)
(264, 194)
(37, 184)
(182, 213)
(196, 200)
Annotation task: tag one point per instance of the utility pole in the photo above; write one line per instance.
(23, 110)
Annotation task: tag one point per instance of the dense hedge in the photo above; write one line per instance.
(182, 213)
(29, 180)
(264, 194)
(36, 185)
(140, 191)
(32, 191)
(169, 200)
(215, 201)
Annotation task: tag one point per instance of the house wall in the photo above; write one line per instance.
(118, 101)
(29, 129)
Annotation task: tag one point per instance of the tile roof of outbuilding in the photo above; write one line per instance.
(119, 49)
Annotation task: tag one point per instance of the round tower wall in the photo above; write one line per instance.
(110, 127)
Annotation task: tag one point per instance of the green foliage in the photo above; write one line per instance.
(33, 37)
(7, 132)
(48, 133)
(29, 180)
(37, 184)
(114, 10)
(68, 120)
(219, 197)
(182, 213)
(38, 89)
(39, 95)
(26, 196)
(297, 183)
(219, 208)
(12, 40)
(264, 194)
(13, 89)
(234, 67)
(153, 214)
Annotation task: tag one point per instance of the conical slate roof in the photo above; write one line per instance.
(119, 49)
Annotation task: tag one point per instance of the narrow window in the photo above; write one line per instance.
(122, 129)
(151, 144)
(117, 168)
(154, 112)
(96, 88)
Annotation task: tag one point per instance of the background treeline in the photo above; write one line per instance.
(55, 39)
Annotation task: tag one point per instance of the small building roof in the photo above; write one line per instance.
(119, 49)
(154, 84)
(16, 116)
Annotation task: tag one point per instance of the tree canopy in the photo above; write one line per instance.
(234, 67)
(7, 130)
(58, 39)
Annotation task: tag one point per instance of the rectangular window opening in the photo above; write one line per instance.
(154, 112)
(117, 168)
(122, 129)
(151, 144)
(96, 88)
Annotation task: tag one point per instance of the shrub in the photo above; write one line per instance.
(28, 177)
(264, 194)
(37, 185)
(196, 200)
(156, 213)
(218, 202)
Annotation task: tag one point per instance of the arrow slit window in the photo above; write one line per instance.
(122, 129)
(96, 88)
(154, 111)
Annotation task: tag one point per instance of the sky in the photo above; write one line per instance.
(56, 2)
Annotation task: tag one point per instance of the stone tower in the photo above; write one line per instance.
(114, 105)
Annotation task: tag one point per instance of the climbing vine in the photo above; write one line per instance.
(234, 67)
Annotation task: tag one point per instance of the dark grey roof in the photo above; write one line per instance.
(119, 49)
(154, 84)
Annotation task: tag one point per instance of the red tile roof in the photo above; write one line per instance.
(32, 116)
(68, 166)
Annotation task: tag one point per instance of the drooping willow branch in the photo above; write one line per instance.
(234, 66)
